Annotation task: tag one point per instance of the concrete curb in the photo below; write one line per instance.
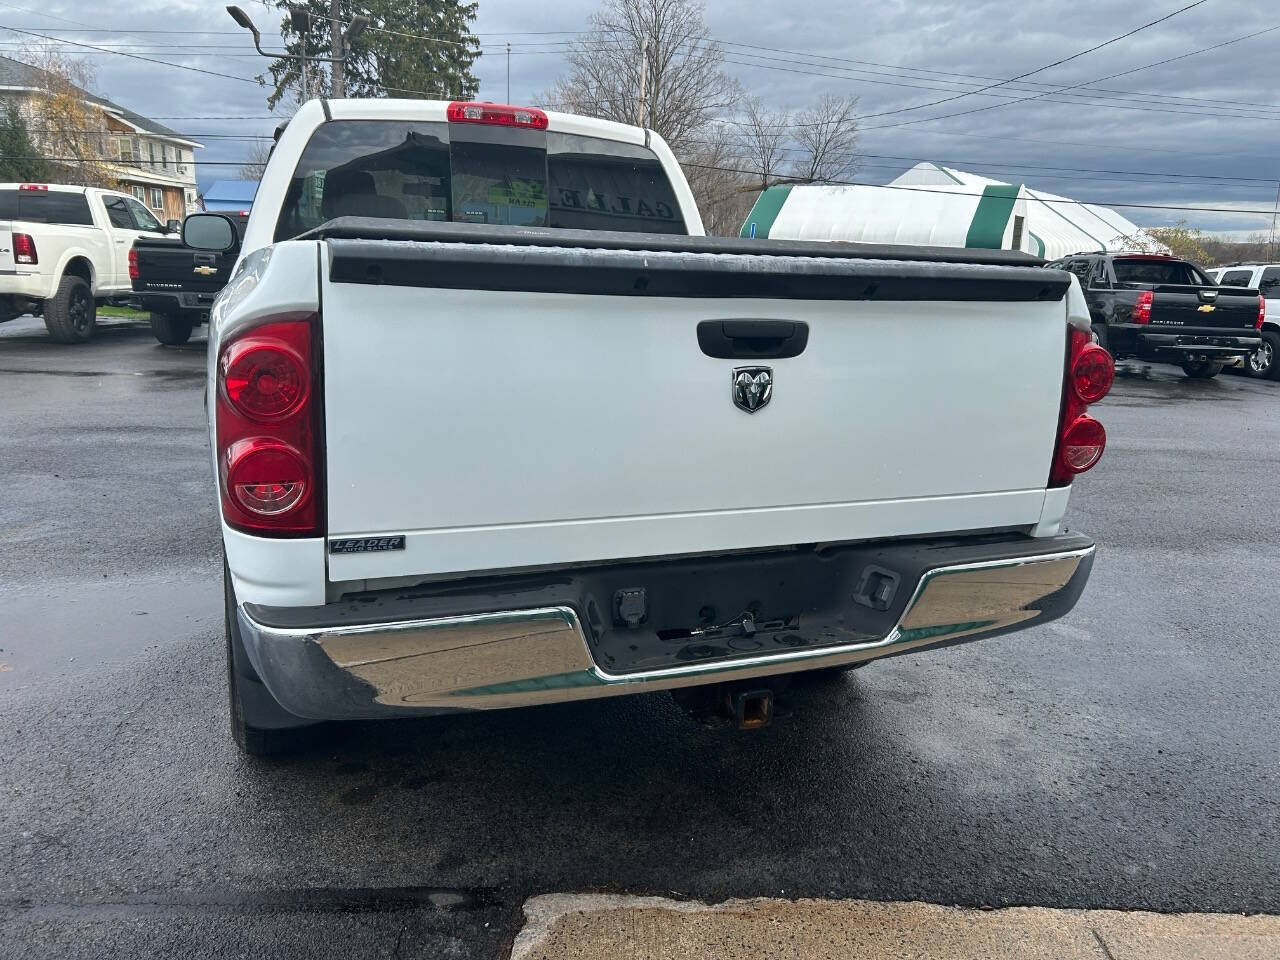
(611, 927)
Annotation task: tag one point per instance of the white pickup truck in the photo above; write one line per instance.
(494, 425)
(64, 250)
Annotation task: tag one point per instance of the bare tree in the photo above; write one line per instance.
(655, 49)
(256, 162)
(827, 138)
(723, 191)
(66, 123)
(762, 139)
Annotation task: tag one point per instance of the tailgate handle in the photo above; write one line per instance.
(752, 339)
(205, 257)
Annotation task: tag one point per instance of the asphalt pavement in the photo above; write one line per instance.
(1125, 757)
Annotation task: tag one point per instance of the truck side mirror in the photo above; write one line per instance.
(209, 231)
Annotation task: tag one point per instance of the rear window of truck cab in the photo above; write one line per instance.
(422, 170)
(64, 207)
(1156, 270)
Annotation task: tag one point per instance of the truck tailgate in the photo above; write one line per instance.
(1226, 308)
(506, 405)
(6, 247)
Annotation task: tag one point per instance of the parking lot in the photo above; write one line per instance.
(1125, 757)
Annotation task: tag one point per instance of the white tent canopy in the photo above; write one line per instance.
(934, 205)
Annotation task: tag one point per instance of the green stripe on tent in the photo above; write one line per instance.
(768, 205)
(992, 216)
(943, 170)
(1039, 245)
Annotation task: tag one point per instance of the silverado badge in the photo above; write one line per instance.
(752, 387)
(205, 271)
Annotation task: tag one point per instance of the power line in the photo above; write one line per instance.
(133, 56)
(1013, 99)
(1048, 66)
(1086, 89)
(41, 13)
(1123, 73)
(1034, 166)
(959, 193)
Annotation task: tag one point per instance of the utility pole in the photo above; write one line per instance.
(300, 17)
(508, 72)
(337, 82)
(642, 112)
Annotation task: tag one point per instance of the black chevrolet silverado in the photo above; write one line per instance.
(177, 284)
(1161, 308)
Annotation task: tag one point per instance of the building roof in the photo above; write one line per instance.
(232, 191)
(14, 74)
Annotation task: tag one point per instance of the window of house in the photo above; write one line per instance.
(157, 198)
(139, 192)
(164, 156)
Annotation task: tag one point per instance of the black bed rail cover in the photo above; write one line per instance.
(486, 257)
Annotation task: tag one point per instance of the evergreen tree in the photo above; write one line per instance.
(20, 158)
(392, 58)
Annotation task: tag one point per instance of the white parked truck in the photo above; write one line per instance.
(64, 250)
(494, 425)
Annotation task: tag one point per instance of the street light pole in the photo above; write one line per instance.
(301, 20)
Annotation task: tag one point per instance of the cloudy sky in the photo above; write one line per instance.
(1201, 131)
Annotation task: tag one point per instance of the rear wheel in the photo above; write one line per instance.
(71, 315)
(1201, 369)
(171, 328)
(259, 725)
(1264, 362)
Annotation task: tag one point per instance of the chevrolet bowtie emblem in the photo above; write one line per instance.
(205, 271)
(1205, 308)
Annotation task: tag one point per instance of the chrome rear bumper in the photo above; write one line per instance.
(539, 655)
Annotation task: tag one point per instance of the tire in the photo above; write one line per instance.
(1264, 363)
(1201, 369)
(171, 329)
(259, 725)
(70, 315)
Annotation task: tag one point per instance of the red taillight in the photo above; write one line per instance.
(263, 378)
(267, 429)
(1142, 309)
(24, 249)
(133, 264)
(497, 114)
(1081, 439)
(266, 478)
(1092, 373)
(1083, 443)
(33, 186)
(1262, 313)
